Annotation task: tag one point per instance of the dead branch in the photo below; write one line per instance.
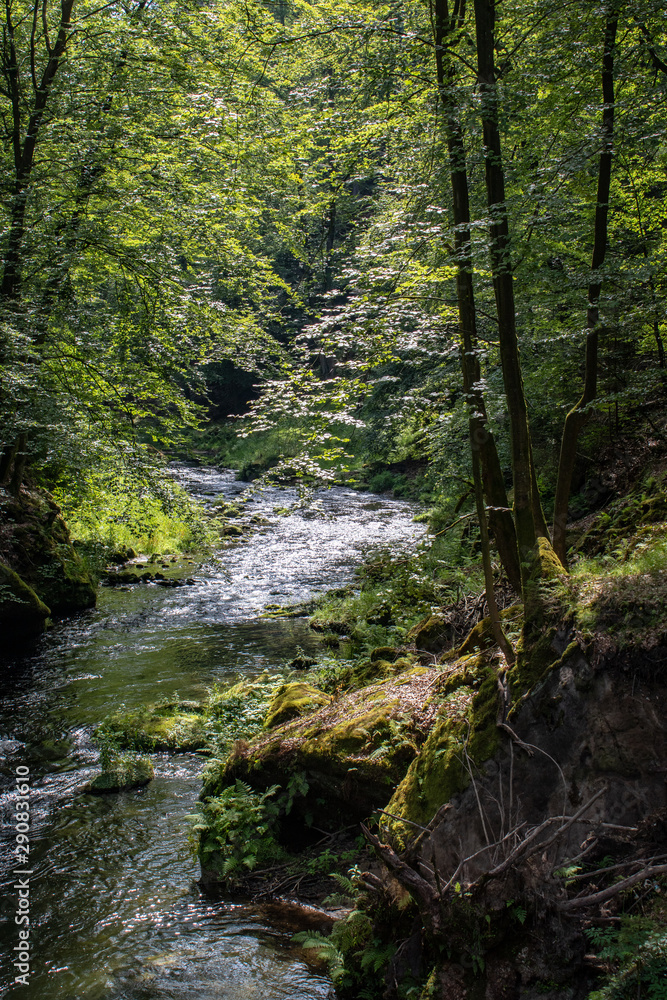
(613, 868)
(426, 897)
(516, 739)
(535, 833)
(483, 850)
(581, 902)
(577, 815)
(401, 819)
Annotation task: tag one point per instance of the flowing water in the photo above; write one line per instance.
(115, 910)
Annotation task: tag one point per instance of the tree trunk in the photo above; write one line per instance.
(14, 456)
(525, 502)
(482, 443)
(580, 412)
(24, 155)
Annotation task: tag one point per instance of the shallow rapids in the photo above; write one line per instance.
(115, 910)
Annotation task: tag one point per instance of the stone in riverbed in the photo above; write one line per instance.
(122, 775)
(177, 727)
(352, 751)
(232, 531)
(291, 700)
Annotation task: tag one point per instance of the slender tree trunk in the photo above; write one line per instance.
(482, 442)
(14, 456)
(526, 500)
(24, 154)
(494, 614)
(580, 412)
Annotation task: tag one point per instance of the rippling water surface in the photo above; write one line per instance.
(116, 913)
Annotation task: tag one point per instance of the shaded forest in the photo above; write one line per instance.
(417, 247)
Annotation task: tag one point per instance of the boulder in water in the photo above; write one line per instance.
(122, 774)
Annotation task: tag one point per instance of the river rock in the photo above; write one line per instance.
(177, 727)
(232, 531)
(351, 752)
(122, 775)
(290, 700)
(122, 578)
(302, 662)
(35, 543)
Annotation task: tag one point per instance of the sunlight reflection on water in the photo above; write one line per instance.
(116, 912)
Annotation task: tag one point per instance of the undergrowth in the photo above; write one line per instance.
(636, 953)
(145, 511)
(397, 589)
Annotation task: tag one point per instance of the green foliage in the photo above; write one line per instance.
(398, 588)
(235, 830)
(353, 954)
(238, 712)
(136, 507)
(637, 953)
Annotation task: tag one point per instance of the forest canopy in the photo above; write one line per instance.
(419, 225)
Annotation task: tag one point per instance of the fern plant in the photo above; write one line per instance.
(234, 830)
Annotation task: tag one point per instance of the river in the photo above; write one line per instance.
(115, 909)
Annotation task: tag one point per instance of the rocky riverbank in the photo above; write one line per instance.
(41, 574)
(518, 815)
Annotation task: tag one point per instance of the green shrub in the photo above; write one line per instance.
(637, 953)
(234, 830)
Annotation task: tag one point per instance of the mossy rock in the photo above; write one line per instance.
(388, 653)
(118, 578)
(294, 699)
(38, 547)
(302, 662)
(368, 671)
(178, 727)
(352, 751)
(22, 613)
(232, 531)
(431, 634)
(464, 735)
(340, 626)
(121, 776)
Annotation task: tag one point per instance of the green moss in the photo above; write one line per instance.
(21, 611)
(481, 637)
(290, 700)
(388, 653)
(465, 727)
(178, 727)
(546, 564)
(352, 751)
(122, 774)
(232, 531)
(431, 634)
(357, 736)
(366, 672)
